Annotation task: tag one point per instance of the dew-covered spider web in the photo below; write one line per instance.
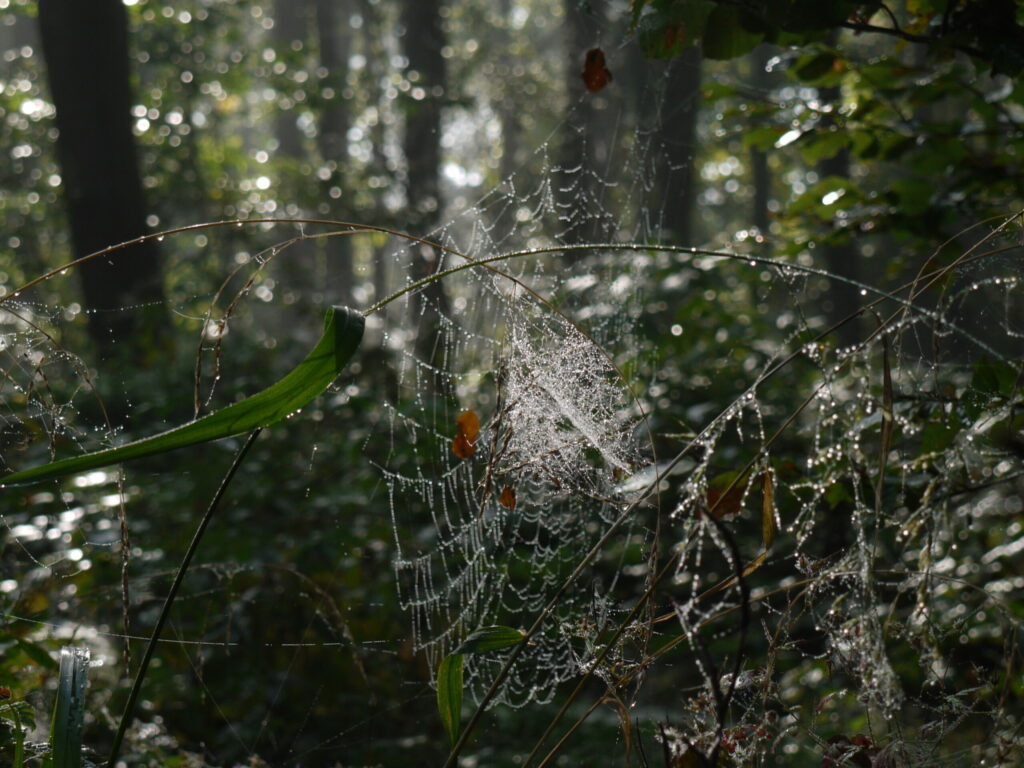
(487, 536)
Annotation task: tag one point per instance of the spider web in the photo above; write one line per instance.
(537, 352)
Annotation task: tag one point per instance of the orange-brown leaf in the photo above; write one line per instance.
(723, 503)
(768, 524)
(595, 74)
(469, 423)
(467, 426)
(508, 497)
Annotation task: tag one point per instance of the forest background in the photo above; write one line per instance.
(806, 290)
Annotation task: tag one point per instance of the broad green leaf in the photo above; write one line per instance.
(824, 144)
(491, 639)
(343, 330)
(449, 694)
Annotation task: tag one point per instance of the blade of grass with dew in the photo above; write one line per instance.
(343, 330)
(69, 710)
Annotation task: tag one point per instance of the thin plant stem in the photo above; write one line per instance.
(179, 577)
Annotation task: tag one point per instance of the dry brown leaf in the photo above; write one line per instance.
(508, 497)
(467, 425)
(595, 74)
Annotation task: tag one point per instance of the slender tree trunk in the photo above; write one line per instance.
(290, 27)
(677, 135)
(575, 191)
(85, 46)
(508, 108)
(423, 39)
(335, 42)
(841, 257)
(759, 172)
(339, 274)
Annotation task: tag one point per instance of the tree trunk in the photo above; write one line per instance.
(339, 273)
(677, 134)
(334, 51)
(841, 257)
(760, 175)
(575, 190)
(289, 27)
(85, 46)
(423, 39)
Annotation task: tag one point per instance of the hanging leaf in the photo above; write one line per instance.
(725, 494)
(449, 694)
(768, 526)
(595, 74)
(508, 497)
(343, 330)
(467, 425)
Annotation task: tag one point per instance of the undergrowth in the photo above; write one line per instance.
(707, 520)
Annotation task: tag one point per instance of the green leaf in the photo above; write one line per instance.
(993, 378)
(836, 494)
(728, 35)
(343, 330)
(449, 672)
(813, 67)
(762, 137)
(670, 28)
(449, 694)
(914, 195)
(823, 145)
(491, 638)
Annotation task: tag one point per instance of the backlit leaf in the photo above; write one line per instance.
(343, 330)
(449, 694)
(491, 638)
(595, 74)
(467, 426)
(508, 497)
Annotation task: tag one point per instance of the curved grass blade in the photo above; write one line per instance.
(343, 330)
